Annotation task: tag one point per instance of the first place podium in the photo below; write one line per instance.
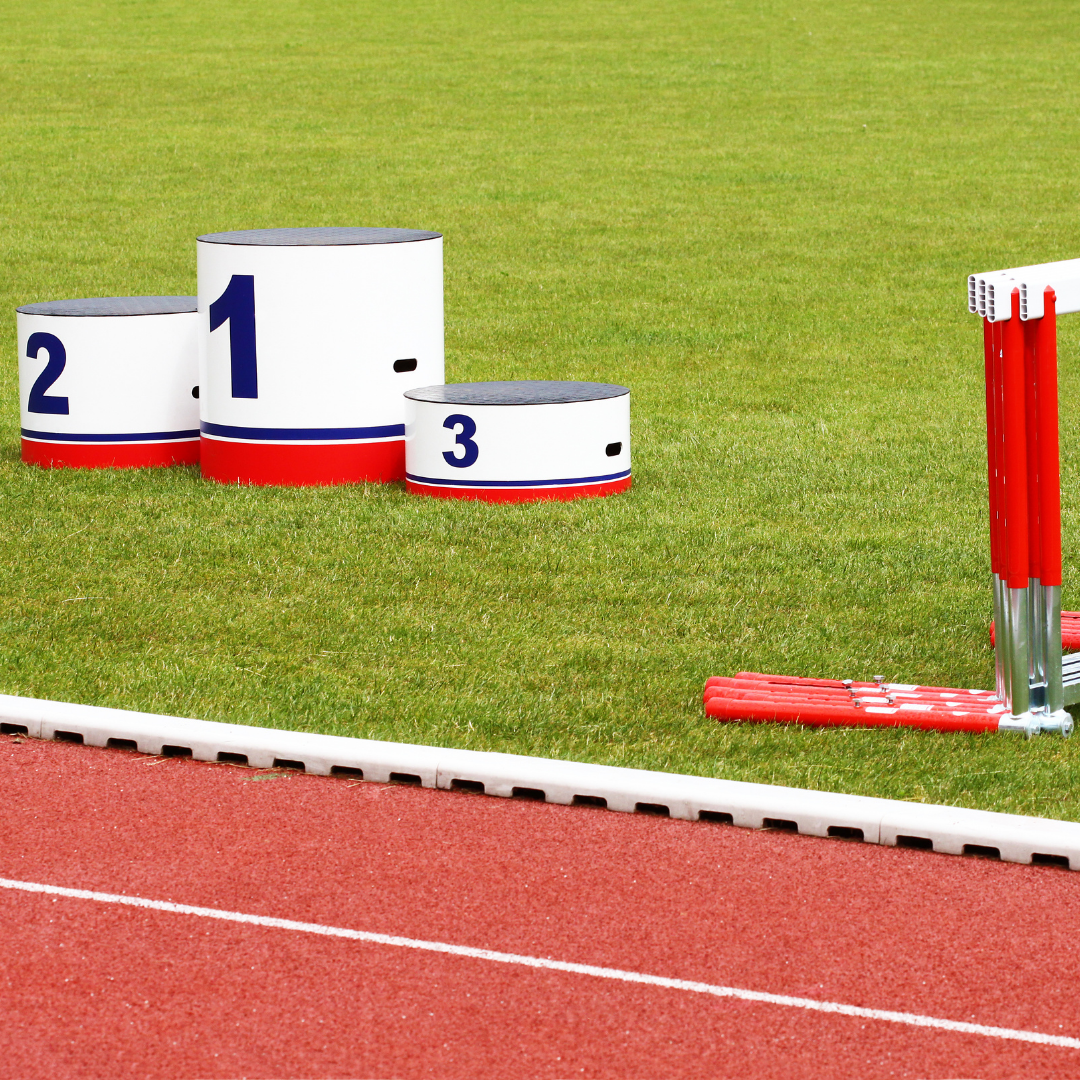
(308, 340)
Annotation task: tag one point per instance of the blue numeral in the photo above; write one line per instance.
(236, 306)
(463, 439)
(38, 402)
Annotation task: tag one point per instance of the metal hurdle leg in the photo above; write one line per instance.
(1019, 650)
(1018, 665)
(1001, 640)
(1057, 719)
(1036, 621)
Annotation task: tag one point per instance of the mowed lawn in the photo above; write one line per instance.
(757, 215)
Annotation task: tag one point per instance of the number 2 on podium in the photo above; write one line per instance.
(40, 402)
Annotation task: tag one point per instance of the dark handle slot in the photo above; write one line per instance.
(474, 786)
(982, 851)
(917, 843)
(1038, 859)
(590, 800)
(285, 763)
(780, 824)
(405, 365)
(613, 449)
(845, 832)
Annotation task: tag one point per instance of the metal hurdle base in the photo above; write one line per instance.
(752, 697)
(1038, 724)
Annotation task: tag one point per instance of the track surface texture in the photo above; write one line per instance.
(99, 989)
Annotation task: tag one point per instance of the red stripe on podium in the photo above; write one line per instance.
(147, 455)
(518, 494)
(302, 464)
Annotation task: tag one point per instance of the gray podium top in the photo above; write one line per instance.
(317, 237)
(524, 392)
(115, 305)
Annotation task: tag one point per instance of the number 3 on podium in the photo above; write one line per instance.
(464, 439)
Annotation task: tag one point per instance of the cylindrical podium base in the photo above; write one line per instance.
(109, 382)
(513, 442)
(302, 465)
(309, 339)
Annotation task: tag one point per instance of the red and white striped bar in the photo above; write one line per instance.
(758, 698)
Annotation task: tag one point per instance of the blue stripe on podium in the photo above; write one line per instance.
(121, 437)
(263, 434)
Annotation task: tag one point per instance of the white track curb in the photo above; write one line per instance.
(948, 829)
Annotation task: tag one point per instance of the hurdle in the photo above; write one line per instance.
(1019, 310)
(1033, 681)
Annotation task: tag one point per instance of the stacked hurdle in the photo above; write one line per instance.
(1019, 309)
(1033, 681)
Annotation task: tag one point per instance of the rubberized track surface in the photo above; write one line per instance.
(91, 988)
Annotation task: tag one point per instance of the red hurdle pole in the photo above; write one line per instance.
(1036, 615)
(1003, 624)
(997, 562)
(1050, 500)
(1016, 508)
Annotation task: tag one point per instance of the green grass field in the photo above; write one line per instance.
(757, 215)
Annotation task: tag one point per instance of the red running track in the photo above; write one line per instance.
(91, 989)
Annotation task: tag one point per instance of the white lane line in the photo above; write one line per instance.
(911, 1019)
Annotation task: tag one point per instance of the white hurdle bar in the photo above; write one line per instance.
(989, 294)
